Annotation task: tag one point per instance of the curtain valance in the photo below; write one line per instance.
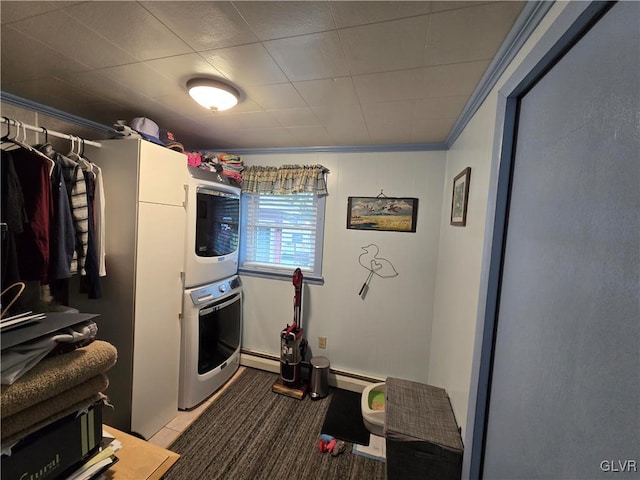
(285, 180)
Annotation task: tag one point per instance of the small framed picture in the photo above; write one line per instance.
(460, 198)
(382, 214)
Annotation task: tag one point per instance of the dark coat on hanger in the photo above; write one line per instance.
(32, 170)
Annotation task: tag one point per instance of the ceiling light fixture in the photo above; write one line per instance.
(213, 94)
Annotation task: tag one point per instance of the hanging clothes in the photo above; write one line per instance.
(53, 221)
(77, 193)
(62, 237)
(99, 217)
(14, 215)
(97, 203)
(90, 282)
(32, 170)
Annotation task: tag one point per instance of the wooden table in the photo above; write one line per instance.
(138, 459)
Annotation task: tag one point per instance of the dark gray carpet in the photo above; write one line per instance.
(252, 433)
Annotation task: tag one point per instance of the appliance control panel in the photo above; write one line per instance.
(215, 291)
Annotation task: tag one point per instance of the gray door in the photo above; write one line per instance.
(564, 397)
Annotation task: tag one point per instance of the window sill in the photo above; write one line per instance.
(279, 276)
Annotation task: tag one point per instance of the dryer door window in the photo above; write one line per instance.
(217, 218)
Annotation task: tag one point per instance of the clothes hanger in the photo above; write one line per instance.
(92, 166)
(23, 143)
(20, 142)
(76, 155)
(6, 138)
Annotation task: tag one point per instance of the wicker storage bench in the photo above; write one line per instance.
(422, 436)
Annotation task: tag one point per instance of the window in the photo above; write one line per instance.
(281, 233)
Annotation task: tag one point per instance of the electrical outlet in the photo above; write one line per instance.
(322, 342)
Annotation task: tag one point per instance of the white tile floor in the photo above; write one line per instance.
(165, 437)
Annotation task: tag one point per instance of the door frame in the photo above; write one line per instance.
(569, 27)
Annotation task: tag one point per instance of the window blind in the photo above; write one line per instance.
(282, 232)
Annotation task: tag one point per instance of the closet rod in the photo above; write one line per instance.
(15, 123)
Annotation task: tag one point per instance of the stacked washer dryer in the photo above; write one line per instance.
(211, 328)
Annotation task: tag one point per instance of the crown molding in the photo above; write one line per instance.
(531, 15)
(53, 112)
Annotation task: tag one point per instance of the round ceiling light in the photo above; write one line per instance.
(213, 94)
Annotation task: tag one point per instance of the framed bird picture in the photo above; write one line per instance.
(460, 198)
(381, 213)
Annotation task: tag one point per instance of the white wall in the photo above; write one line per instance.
(388, 333)
(460, 263)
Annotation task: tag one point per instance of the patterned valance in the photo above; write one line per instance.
(285, 180)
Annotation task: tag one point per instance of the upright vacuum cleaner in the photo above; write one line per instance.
(293, 348)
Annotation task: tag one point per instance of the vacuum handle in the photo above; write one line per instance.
(297, 298)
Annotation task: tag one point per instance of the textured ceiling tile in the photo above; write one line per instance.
(454, 5)
(391, 121)
(181, 104)
(245, 104)
(53, 92)
(308, 136)
(141, 78)
(349, 132)
(381, 47)
(265, 137)
(351, 14)
(107, 112)
(131, 27)
(440, 107)
(203, 25)
(24, 58)
(296, 117)
(275, 97)
(10, 11)
(390, 131)
(157, 111)
(389, 86)
(452, 80)
(309, 57)
(100, 86)
(78, 42)
(339, 116)
(388, 111)
(271, 20)
(329, 91)
(468, 34)
(245, 65)
(181, 68)
(344, 123)
(431, 130)
(250, 120)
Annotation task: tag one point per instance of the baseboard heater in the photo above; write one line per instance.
(336, 378)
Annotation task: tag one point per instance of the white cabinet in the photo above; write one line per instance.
(142, 292)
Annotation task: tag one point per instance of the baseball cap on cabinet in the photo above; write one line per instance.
(170, 141)
(147, 128)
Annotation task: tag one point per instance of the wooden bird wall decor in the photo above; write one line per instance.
(377, 265)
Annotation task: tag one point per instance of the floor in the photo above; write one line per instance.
(166, 436)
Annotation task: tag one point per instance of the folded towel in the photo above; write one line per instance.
(50, 410)
(78, 407)
(54, 375)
